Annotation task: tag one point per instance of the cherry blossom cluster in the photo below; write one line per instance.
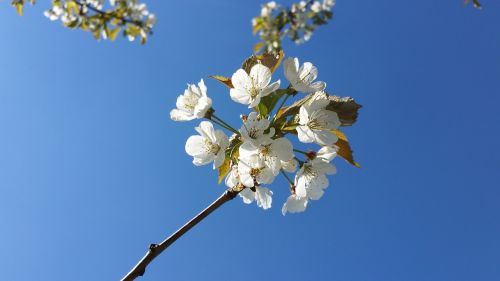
(129, 16)
(297, 22)
(260, 150)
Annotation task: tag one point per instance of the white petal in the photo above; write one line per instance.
(317, 86)
(282, 148)
(308, 72)
(303, 115)
(290, 166)
(180, 115)
(291, 67)
(265, 176)
(203, 88)
(219, 159)
(207, 130)
(240, 96)
(327, 153)
(241, 80)
(254, 102)
(195, 145)
(263, 196)
(325, 137)
(247, 195)
(204, 103)
(269, 89)
(294, 204)
(232, 177)
(305, 134)
(323, 167)
(261, 75)
(244, 171)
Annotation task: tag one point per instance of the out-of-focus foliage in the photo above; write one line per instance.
(297, 22)
(475, 3)
(104, 21)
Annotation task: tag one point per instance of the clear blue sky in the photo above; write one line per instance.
(92, 169)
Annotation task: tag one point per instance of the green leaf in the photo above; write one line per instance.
(224, 169)
(232, 153)
(271, 100)
(262, 109)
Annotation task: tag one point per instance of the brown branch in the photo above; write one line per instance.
(156, 249)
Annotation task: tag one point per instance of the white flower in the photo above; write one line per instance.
(270, 154)
(193, 104)
(249, 89)
(253, 129)
(316, 123)
(294, 204)
(289, 166)
(254, 172)
(316, 7)
(54, 13)
(327, 153)
(302, 78)
(262, 195)
(233, 177)
(328, 5)
(311, 179)
(267, 9)
(209, 146)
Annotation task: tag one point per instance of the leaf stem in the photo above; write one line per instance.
(286, 176)
(229, 127)
(300, 151)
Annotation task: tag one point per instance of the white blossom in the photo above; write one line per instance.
(267, 9)
(262, 195)
(251, 173)
(233, 177)
(249, 89)
(193, 104)
(294, 204)
(316, 122)
(328, 5)
(253, 129)
(209, 146)
(311, 179)
(269, 154)
(302, 77)
(316, 7)
(290, 166)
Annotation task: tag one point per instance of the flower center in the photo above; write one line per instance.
(212, 147)
(254, 92)
(252, 133)
(265, 150)
(308, 170)
(316, 124)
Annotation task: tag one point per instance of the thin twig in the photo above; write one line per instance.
(156, 249)
(110, 14)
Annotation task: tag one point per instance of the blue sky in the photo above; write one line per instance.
(92, 169)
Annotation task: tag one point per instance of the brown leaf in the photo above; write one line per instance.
(268, 59)
(344, 148)
(294, 108)
(346, 108)
(224, 80)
